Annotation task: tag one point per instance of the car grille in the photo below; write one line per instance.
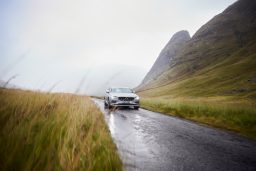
(126, 98)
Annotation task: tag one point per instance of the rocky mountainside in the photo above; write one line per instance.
(220, 56)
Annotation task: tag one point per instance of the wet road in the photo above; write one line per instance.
(152, 141)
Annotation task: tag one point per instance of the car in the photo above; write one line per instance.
(121, 97)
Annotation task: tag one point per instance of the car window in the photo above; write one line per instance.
(121, 90)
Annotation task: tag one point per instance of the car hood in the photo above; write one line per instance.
(123, 94)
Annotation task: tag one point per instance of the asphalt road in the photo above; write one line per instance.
(151, 141)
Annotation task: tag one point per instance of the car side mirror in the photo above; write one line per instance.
(107, 91)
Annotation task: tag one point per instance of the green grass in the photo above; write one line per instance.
(236, 116)
(42, 131)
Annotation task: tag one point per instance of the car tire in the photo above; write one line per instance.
(136, 108)
(109, 106)
(105, 105)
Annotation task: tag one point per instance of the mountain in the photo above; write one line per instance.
(175, 44)
(219, 60)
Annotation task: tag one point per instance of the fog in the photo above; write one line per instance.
(85, 46)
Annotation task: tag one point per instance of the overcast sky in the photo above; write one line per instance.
(52, 40)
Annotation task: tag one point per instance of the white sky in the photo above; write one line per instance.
(48, 40)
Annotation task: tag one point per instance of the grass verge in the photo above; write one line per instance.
(41, 131)
(237, 117)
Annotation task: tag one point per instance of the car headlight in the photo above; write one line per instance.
(137, 98)
(114, 98)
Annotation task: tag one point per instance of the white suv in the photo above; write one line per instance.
(121, 97)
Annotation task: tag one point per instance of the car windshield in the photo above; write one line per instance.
(121, 90)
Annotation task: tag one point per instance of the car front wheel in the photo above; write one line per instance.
(136, 107)
(109, 106)
(105, 105)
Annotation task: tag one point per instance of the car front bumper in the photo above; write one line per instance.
(125, 103)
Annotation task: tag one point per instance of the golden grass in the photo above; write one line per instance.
(238, 116)
(42, 131)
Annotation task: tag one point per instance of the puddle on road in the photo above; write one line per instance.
(111, 124)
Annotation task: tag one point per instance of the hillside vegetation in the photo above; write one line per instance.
(234, 77)
(212, 79)
(42, 131)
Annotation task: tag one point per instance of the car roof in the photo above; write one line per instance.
(120, 87)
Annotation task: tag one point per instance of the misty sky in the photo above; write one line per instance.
(48, 42)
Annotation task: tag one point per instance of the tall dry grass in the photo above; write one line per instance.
(43, 131)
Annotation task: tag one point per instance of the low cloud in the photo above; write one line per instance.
(66, 39)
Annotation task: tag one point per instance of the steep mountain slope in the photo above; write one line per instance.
(176, 43)
(219, 60)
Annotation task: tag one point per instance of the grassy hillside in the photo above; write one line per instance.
(40, 131)
(213, 78)
(234, 77)
(222, 94)
(226, 39)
